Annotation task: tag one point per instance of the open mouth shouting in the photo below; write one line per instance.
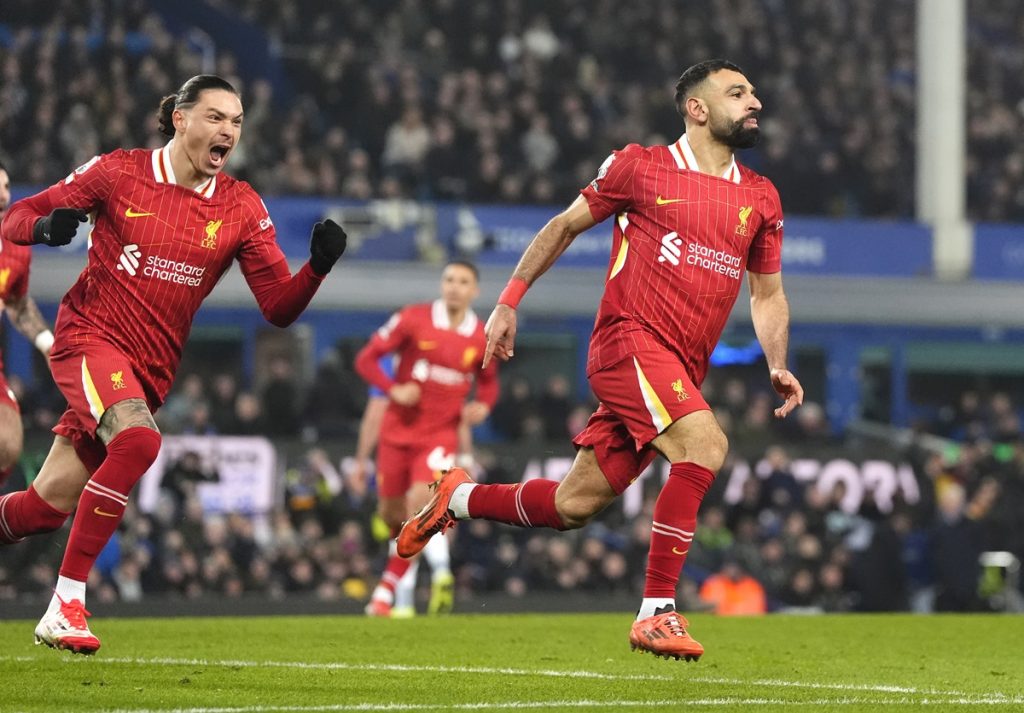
(219, 154)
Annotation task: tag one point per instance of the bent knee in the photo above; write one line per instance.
(575, 512)
(714, 451)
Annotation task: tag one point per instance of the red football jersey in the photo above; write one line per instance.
(442, 359)
(14, 264)
(156, 251)
(682, 241)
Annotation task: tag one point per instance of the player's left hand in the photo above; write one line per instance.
(501, 334)
(789, 388)
(326, 245)
(475, 412)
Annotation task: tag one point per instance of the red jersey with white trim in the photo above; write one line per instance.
(682, 241)
(442, 359)
(156, 251)
(14, 265)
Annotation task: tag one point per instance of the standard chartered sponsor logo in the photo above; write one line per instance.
(129, 259)
(698, 255)
(160, 268)
(715, 260)
(670, 248)
(180, 273)
(423, 370)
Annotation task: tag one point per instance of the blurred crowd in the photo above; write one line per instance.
(515, 102)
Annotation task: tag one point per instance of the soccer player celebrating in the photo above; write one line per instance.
(439, 347)
(689, 221)
(169, 223)
(24, 315)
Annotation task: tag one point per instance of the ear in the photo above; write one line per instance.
(696, 109)
(179, 120)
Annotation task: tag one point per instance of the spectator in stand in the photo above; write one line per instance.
(734, 592)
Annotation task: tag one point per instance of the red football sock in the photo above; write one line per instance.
(529, 504)
(102, 504)
(24, 513)
(675, 519)
(396, 569)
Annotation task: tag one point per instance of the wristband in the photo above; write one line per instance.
(44, 341)
(513, 292)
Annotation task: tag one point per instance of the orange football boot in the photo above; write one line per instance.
(435, 516)
(664, 635)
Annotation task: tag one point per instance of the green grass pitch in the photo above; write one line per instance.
(519, 662)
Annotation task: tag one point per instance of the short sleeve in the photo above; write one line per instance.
(612, 190)
(765, 254)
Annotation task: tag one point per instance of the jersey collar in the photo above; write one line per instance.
(439, 316)
(685, 159)
(163, 172)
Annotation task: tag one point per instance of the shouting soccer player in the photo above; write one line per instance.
(439, 347)
(689, 222)
(169, 223)
(24, 315)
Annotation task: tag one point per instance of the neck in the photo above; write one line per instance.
(455, 316)
(713, 157)
(185, 172)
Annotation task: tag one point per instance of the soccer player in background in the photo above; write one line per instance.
(689, 221)
(24, 315)
(439, 346)
(403, 594)
(169, 223)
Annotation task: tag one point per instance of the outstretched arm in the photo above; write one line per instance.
(282, 296)
(25, 316)
(769, 311)
(545, 248)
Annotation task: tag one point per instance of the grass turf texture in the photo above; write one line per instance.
(518, 662)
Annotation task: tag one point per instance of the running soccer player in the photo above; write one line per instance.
(23, 312)
(169, 223)
(689, 222)
(439, 347)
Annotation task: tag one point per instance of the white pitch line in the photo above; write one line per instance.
(529, 705)
(337, 666)
(951, 696)
(863, 687)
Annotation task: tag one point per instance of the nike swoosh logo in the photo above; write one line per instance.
(677, 552)
(665, 201)
(103, 514)
(134, 214)
(425, 346)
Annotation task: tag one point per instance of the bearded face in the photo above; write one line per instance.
(737, 134)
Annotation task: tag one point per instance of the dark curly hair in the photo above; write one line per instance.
(697, 74)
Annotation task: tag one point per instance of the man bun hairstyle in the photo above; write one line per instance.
(696, 75)
(187, 96)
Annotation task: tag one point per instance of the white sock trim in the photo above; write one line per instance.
(648, 606)
(66, 590)
(459, 504)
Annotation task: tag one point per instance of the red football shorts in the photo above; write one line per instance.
(640, 397)
(399, 466)
(6, 395)
(92, 379)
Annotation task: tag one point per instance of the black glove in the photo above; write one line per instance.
(59, 227)
(326, 245)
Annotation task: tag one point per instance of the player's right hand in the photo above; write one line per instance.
(501, 334)
(407, 394)
(59, 227)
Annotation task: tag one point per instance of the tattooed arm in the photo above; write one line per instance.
(26, 318)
